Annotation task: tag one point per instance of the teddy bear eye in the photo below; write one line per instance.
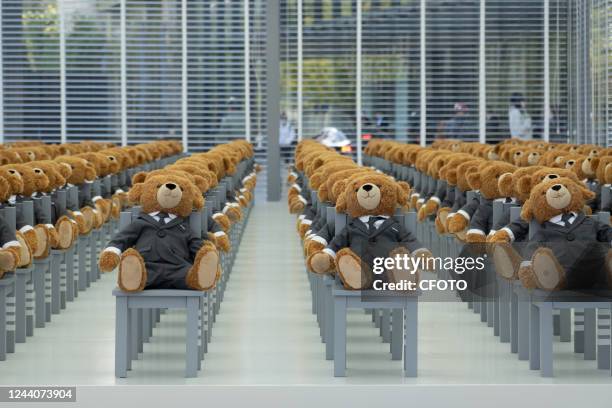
(12, 171)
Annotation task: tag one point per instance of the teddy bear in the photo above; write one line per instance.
(10, 246)
(82, 175)
(457, 221)
(62, 230)
(158, 249)
(216, 233)
(372, 231)
(567, 249)
(486, 181)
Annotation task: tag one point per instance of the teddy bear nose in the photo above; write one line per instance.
(170, 186)
(556, 187)
(367, 187)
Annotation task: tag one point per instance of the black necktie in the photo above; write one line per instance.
(372, 221)
(162, 217)
(565, 218)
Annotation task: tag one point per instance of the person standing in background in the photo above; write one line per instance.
(518, 118)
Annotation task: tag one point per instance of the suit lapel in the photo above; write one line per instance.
(358, 224)
(386, 224)
(173, 222)
(577, 222)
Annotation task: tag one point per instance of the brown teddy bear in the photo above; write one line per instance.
(486, 180)
(159, 250)
(82, 175)
(567, 250)
(371, 232)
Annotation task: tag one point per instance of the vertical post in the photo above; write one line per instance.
(184, 77)
(546, 135)
(358, 75)
(482, 77)
(62, 60)
(273, 99)
(300, 68)
(423, 137)
(123, 63)
(1, 81)
(247, 74)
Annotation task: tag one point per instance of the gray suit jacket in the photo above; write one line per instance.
(168, 250)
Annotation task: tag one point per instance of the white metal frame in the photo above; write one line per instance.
(423, 129)
(184, 77)
(546, 135)
(300, 69)
(62, 60)
(123, 63)
(358, 82)
(482, 74)
(247, 72)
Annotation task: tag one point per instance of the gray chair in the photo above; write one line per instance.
(136, 314)
(7, 315)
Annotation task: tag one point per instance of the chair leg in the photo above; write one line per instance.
(340, 337)
(191, 356)
(121, 337)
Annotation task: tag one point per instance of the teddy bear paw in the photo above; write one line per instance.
(108, 261)
(42, 240)
(205, 271)
(132, 271)
(311, 246)
(320, 262)
(353, 272)
(456, 223)
(8, 261)
(526, 276)
(25, 251)
(500, 236)
(222, 241)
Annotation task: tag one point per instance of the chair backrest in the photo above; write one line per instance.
(606, 196)
(73, 197)
(27, 209)
(339, 222)
(515, 212)
(603, 217)
(10, 216)
(498, 212)
(330, 217)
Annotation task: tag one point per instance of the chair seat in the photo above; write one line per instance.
(159, 293)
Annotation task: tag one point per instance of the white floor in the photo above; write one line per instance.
(266, 334)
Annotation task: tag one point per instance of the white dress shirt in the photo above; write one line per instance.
(169, 218)
(366, 218)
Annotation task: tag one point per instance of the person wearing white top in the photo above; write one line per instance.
(518, 118)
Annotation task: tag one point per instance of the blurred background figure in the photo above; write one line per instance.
(519, 119)
(459, 125)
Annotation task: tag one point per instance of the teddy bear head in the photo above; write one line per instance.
(8, 156)
(585, 167)
(554, 197)
(372, 194)
(34, 178)
(51, 170)
(324, 172)
(169, 193)
(199, 181)
(486, 179)
(459, 176)
(509, 182)
(334, 185)
(604, 167)
(81, 170)
(13, 177)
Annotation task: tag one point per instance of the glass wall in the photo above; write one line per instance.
(180, 68)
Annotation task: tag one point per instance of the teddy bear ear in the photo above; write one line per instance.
(139, 177)
(403, 191)
(201, 183)
(341, 203)
(474, 180)
(526, 212)
(524, 185)
(587, 194)
(594, 163)
(505, 184)
(135, 192)
(198, 199)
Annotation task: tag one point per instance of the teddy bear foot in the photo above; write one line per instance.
(204, 273)
(132, 271)
(42, 238)
(64, 232)
(397, 275)
(507, 261)
(352, 271)
(547, 271)
(25, 252)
